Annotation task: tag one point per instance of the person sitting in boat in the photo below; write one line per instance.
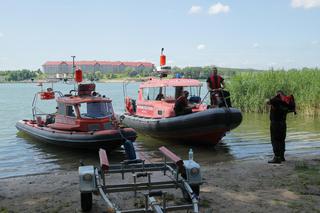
(50, 119)
(160, 96)
(181, 106)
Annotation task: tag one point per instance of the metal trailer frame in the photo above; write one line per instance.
(174, 170)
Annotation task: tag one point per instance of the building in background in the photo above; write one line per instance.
(65, 67)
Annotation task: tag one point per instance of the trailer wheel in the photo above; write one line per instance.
(195, 189)
(86, 201)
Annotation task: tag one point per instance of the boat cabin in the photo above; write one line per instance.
(83, 111)
(157, 97)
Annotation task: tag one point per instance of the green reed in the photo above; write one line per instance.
(249, 90)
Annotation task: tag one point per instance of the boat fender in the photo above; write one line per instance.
(78, 75)
(129, 149)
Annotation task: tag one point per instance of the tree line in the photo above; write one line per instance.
(20, 75)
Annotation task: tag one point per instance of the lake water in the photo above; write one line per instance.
(21, 155)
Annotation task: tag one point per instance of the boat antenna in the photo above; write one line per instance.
(73, 69)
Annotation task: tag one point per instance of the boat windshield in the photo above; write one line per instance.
(95, 110)
(193, 91)
(169, 93)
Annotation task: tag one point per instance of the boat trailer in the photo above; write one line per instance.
(180, 174)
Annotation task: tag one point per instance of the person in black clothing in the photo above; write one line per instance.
(181, 106)
(159, 97)
(280, 106)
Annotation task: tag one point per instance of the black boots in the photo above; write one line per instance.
(276, 160)
(282, 158)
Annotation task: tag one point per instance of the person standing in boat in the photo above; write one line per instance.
(214, 83)
(281, 105)
(181, 106)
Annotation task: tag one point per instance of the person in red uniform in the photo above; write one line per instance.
(281, 105)
(181, 106)
(214, 83)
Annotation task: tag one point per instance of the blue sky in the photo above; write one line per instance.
(230, 33)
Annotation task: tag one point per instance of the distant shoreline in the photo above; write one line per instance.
(99, 81)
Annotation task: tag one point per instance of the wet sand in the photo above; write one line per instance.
(236, 186)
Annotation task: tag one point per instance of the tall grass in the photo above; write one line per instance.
(250, 90)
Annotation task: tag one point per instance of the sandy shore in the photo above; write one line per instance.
(237, 186)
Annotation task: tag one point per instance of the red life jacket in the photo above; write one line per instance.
(289, 100)
(215, 79)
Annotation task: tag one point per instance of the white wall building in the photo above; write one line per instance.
(60, 67)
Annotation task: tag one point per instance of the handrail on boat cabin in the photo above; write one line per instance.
(104, 162)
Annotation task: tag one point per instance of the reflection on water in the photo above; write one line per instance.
(252, 139)
(20, 154)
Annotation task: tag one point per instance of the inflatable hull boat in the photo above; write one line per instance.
(207, 126)
(84, 140)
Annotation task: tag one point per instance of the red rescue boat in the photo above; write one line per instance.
(84, 119)
(152, 113)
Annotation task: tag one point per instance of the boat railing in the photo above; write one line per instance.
(36, 109)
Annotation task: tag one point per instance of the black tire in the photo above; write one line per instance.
(195, 189)
(86, 201)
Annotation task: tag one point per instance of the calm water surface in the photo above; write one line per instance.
(21, 155)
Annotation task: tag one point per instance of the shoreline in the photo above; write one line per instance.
(119, 80)
(235, 186)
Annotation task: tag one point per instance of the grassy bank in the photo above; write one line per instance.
(250, 90)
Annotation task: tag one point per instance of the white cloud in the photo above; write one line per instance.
(256, 45)
(315, 42)
(1, 34)
(218, 8)
(306, 4)
(201, 46)
(195, 9)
